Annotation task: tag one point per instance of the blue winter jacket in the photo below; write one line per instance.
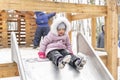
(42, 18)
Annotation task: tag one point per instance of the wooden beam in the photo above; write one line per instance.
(49, 6)
(111, 36)
(99, 49)
(28, 27)
(93, 28)
(68, 15)
(118, 62)
(4, 29)
(104, 59)
(88, 15)
(8, 70)
(118, 10)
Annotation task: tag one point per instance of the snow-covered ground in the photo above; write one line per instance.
(6, 57)
(11, 78)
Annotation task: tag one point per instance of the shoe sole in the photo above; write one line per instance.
(79, 68)
(60, 65)
(81, 65)
(83, 58)
(65, 60)
(83, 61)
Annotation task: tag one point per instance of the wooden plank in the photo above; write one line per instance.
(99, 49)
(118, 62)
(85, 16)
(28, 30)
(111, 37)
(93, 28)
(68, 15)
(1, 30)
(4, 29)
(8, 70)
(118, 9)
(48, 6)
(104, 59)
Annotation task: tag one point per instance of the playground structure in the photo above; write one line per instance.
(27, 67)
(25, 32)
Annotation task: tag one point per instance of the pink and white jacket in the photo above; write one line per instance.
(52, 41)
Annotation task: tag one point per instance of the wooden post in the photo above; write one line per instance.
(111, 36)
(106, 32)
(70, 19)
(0, 29)
(4, 29)
(19, 30)
(28, 29)
(93, 28)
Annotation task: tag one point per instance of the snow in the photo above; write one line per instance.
(11, 78)
(6, 57)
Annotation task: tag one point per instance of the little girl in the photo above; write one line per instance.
(56, 45)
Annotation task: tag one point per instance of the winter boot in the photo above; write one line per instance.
(34, 47)
(80, 63)
(63, 61)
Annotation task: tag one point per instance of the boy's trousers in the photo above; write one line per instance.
(40, 32)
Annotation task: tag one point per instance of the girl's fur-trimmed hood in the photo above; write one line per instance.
(57, 21)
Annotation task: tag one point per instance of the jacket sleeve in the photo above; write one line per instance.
(44, 43)
(51, 15)
(68, 44)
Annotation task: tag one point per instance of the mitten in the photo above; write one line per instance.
(41, 55)
(70, 51)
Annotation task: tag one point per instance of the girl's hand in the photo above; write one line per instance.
(42, 55)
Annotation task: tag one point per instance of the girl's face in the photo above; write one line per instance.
(61, 32)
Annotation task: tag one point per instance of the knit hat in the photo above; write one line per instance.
(62, 25)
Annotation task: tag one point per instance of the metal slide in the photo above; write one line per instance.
(16, 56)
(43, 69)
